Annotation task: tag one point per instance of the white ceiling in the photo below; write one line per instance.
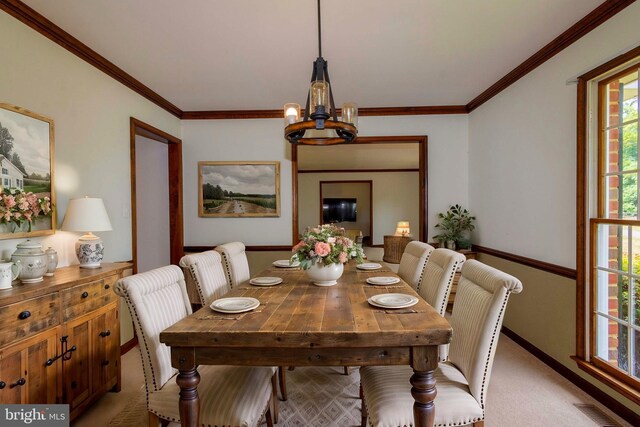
(258, 54)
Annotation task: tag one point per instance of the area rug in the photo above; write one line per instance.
(317, 396)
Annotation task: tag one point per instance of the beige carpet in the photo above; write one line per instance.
(523, 392)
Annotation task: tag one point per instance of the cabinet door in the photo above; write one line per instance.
(42, 386)
(11, 375)
(77, 370)
(106, 350)
(25, 373)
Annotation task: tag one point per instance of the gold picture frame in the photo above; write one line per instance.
(26, 165)
(238, 189)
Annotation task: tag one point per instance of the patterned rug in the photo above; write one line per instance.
(317, 396)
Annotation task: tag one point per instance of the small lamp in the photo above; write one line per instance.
(402, 229)
(87, 214)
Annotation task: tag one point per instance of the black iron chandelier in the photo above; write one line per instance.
(320, 124)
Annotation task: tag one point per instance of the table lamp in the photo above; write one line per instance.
(402, 229)
(87, 214)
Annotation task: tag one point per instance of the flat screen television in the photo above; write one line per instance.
(338, 210)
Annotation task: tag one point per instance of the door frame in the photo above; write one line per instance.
(423, 176)
(176, 220)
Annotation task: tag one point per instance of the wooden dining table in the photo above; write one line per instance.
(301, 324)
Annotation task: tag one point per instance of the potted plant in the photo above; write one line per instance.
(455, 226)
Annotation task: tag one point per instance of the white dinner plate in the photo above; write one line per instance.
(265, 281)
(234, 304)
(393, 300)
(285, 263)
(383, 280)
(369, 266)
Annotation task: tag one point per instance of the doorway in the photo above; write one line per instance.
(348, 204)
(156, 197)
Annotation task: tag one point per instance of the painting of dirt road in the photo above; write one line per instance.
(239, 189)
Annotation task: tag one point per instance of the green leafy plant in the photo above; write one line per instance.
(454, 224)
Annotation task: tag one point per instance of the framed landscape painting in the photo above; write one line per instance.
(238, 189)
(27, 196)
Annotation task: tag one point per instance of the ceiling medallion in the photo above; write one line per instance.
(320, 124)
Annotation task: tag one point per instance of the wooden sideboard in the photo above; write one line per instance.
(454, 285)
(60, 338)
(394, 248)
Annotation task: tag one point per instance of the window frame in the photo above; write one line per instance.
(590, 84)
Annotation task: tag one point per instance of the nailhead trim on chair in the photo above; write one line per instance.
(194, 276)
(227, 268)
(424, 267)
(134, 312)
(442, 308)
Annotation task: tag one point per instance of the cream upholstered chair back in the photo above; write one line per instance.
(414, 257)
(437, 277)
(156, 299)
(206, 271)
(236, 265)
(478, 311)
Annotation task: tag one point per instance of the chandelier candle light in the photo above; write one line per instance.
(320, 115)
(87, 214)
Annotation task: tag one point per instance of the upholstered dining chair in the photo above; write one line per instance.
(229, 395)
(437, 277)
(415, 256)
(206, 272)
(236, 265)
(462, 381)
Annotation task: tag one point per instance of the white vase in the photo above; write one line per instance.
(325, 275)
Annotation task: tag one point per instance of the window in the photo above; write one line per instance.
(609, 305)
(5, 171)
(7, 182)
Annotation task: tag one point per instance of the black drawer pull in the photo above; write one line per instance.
(2, 385)
(105, 333)
(24, 315)
(85, 294)
(20, 382)
(74, 384)
(105, 363)
(107, 286)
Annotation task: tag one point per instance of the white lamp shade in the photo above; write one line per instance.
(86, 214)
(402, 229)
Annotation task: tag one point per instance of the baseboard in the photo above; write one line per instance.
(124, 348)
(593, 391)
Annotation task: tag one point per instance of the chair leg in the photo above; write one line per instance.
(346, 370)
(363, 411)
(478, 424)
(267, 417)
(283, 382)
(274, 398)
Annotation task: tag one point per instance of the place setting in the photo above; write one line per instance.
(232, 305)
(394, 303)
(369, 266)
(285, 264)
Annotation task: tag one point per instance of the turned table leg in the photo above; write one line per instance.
(424, 361)
(188, 381)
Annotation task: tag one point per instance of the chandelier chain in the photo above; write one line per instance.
(319, 32)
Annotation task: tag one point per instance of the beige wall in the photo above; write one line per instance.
(395, 198)
(91, 114)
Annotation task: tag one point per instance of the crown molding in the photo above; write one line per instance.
(47, 28)
(44, 26)
(595, 18)
(362, 112)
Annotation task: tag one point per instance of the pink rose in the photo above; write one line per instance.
(322, 248)
(342, 257)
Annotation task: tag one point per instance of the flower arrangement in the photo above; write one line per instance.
(17, 207)
(325, 244)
